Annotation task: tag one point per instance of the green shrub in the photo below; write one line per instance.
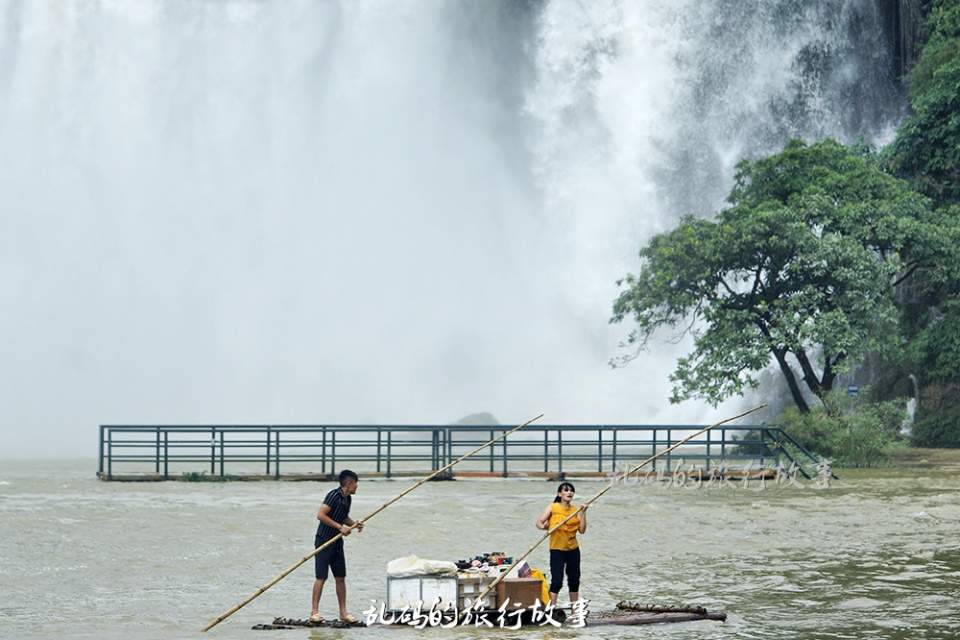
(851, 432)
(938, 430)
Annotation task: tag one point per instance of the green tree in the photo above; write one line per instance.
(927, 147)
(800, 268)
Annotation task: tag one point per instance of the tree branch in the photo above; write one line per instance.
(725, 286)
(693, 320)
(791, 378)
(826, 381)
(756, 280)
(913, 267)
(809, 375)
(836, 360)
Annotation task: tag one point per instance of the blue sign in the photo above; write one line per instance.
(853, 390)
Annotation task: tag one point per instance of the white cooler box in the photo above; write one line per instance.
(469, 588)
(407, 591)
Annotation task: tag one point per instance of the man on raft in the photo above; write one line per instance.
(334, 517)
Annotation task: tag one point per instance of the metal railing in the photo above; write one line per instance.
(161, 452)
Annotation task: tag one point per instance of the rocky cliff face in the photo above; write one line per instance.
(903, 22)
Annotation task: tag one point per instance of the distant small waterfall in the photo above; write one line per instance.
(907, 427)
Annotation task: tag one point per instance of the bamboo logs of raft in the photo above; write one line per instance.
(293, 623)
(626, 605)
(503, 574)
(626, 614)
(633, 618)
(229, 612)
(634, 613)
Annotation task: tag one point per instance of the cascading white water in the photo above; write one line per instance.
(362, 211)
(906, 428)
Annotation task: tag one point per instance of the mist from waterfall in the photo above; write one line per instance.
(389, 211)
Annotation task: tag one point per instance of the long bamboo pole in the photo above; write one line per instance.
(232, 610)
(503, 574)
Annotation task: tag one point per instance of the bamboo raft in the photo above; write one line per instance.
(625, 614)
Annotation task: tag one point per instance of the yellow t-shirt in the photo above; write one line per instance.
(564, 538)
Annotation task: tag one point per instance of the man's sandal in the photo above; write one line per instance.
(316, 618)
(349, 619)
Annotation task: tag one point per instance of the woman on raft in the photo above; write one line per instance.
(564, 549)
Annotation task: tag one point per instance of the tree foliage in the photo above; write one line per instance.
(927, 152)
(800, 268)
(927, 146)
(935, 349)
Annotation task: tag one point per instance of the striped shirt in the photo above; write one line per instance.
(339, 510)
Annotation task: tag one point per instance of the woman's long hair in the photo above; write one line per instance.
(563, 485)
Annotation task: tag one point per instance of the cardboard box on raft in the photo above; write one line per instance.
(523, 592)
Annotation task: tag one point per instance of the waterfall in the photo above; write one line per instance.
(379, 210)
(906, 429)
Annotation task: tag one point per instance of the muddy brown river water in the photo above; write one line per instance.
(876, 555)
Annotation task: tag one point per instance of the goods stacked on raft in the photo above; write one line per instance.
(423, 593)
